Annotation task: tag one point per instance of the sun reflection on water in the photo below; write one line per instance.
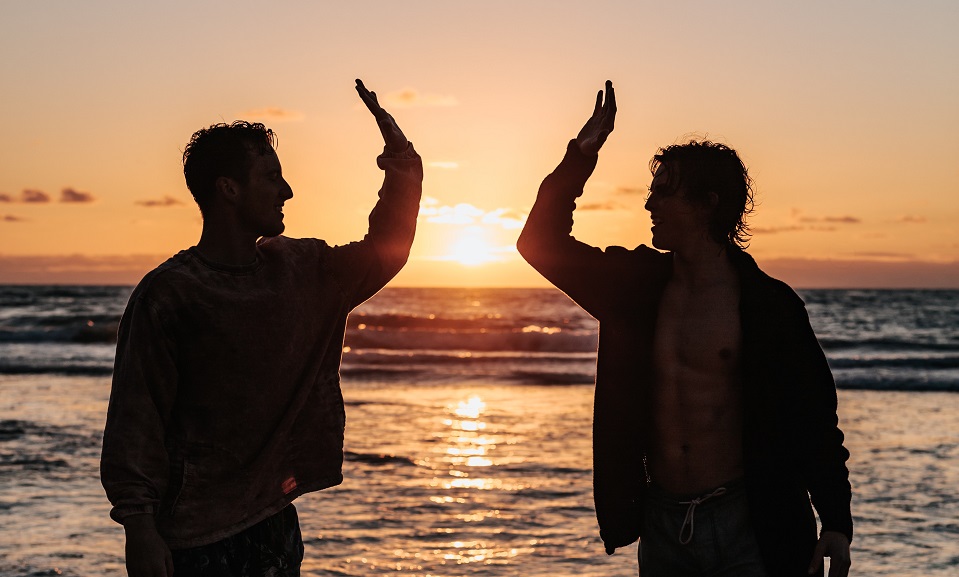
(470, 408)
(469, 443)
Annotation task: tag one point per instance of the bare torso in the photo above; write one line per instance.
(697, 393)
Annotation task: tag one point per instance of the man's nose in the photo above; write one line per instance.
(649, 203)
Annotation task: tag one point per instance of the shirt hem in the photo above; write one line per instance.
(276, 507)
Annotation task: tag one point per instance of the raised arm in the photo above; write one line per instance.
(579, 270)
(366, 266)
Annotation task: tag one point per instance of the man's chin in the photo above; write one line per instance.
(275, 231)
(660, 243)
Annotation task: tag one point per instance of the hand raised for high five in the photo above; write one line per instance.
(393, 137)
(593, 134)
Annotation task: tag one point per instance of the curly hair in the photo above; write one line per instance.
(223, 150)
(707, 167)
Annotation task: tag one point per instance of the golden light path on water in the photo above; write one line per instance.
(468, 450)
(451, 478)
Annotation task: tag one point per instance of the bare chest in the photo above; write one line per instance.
(696, 396)
(698, 332)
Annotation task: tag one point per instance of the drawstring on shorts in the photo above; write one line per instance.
(691, 513)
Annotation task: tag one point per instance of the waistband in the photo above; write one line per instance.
(733, 488)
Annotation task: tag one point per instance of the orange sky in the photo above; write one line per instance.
(846, 115)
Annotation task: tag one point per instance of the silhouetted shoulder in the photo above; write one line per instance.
(292, 247)
(761, 290)
(168, 272)
(647, 261)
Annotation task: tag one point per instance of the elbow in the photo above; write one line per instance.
(525, 245)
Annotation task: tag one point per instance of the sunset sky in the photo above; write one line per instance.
(847, 114)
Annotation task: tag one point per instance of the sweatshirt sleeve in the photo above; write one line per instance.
(134, 463)
(585, 273)
(365, 266)
(816, 425)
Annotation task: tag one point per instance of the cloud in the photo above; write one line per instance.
(76, 269)
(467, 214)
(167, 200)
(410, 98)
(631, 190)
(831, 219)
(273, 114)
(885, 255)
(34, 196)
(462, 213)
(73, 195)
(809, 224)
(911, 219)
(507, 218)
(775, 229)
(862, 272)
(12, 218)
(447, 165)
(590, 206)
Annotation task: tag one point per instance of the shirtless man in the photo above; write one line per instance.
(715, 413)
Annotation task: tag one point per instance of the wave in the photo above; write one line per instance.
(516, 339)
(920, 363)
(378, 459)
(873, 339)
(85, 332)
(913, 342)
(886, 383)
(61, 369)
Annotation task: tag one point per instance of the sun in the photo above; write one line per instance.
(472, 248)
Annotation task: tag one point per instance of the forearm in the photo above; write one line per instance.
(550, 222)
(393, 219)
(827, 477)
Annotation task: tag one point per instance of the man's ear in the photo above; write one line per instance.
(226, 189)
(713, 199)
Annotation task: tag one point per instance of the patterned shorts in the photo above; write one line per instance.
(271, 548)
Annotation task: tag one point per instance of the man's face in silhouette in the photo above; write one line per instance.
(677, 221)
(259, 201)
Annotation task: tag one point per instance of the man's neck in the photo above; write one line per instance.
(708, 264)
(224, 247)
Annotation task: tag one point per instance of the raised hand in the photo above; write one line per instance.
(594, 133)
(393, 137)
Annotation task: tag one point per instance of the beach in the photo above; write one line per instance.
(449, 480)
(464, 458)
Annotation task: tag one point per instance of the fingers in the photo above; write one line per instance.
(610, 100)
(610, 97)
(368, 98)
(839, 565)
(599, 103)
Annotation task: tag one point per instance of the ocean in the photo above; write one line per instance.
(468, 433)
